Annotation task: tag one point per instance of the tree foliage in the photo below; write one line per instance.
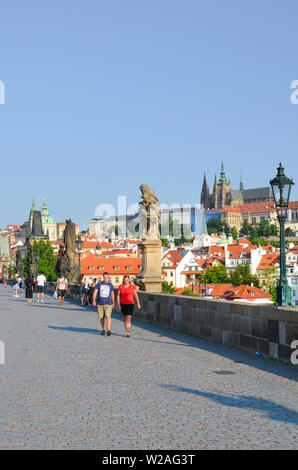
(217, 226)
(264, 229)
(168, 287)
(242, 275)
(216, 275)
(46, 261)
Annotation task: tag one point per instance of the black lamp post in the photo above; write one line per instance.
(79, 243)
(281, 189)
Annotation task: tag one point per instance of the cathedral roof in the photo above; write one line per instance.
(257, 193)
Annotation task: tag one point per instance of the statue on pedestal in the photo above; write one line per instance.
(19, 264)
(32, 259)
(67, 262)
(62, 265)
(150, 279)
(149, 213)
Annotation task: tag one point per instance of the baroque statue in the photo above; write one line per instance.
(67, 262)
(149, 213)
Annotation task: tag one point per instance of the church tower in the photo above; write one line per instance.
(241, 183)
(222, 190)
(205, 194)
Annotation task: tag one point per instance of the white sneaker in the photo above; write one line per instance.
(37, 301)
(42, 301)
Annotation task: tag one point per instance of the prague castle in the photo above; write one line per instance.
(223, 196)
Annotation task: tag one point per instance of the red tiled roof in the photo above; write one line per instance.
(173, 256)
(257, 207)
(107, 245)
(268, 261)
(230, 209)
(246, 292)
(117, 266)
(293, 205)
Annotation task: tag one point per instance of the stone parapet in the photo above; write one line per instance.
(268, 330)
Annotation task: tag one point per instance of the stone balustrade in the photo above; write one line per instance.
(268, 330)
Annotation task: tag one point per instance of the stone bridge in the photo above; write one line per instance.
(64, 386)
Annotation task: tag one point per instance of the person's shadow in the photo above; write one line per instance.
(271, 409)
(79, 330)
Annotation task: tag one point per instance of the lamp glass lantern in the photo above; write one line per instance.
(281, 188)
(79, 243)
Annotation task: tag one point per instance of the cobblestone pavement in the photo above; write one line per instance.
(64, 386)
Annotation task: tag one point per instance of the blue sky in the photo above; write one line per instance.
(104, 95)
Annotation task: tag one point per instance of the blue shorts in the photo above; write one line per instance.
(40, 289)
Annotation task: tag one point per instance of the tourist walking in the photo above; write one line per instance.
(41, 281)
(20, 281)
(104, 300)
(16, 286)
(29, 283)
(127, 292)
(83, 292)
(90, 293)
(61, 287)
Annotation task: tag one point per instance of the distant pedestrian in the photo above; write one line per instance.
(15, 285)
(90, 293)
(29, 283)
(20, 280)
(41, 281)
(83, 292)
(61, 287)
(104, 300)
(127, 292)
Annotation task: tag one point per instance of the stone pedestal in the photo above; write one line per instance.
(150, 279)
(33, 270)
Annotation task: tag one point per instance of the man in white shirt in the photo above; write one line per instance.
(61, 287)
(41, 280)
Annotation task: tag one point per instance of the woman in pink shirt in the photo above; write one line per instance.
(127, 292)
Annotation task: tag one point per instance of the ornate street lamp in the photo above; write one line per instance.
(79, 243)
(281, 189)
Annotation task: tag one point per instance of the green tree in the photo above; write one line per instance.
(289, 232)
(242, 275)
(167, 287)
(258, 241)
(216, 275)
(47, 259)
(217, 226)
(245, 229)
(188, 291)
(25, 262)
(272, 291)
(234, 232)
(264, 228)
